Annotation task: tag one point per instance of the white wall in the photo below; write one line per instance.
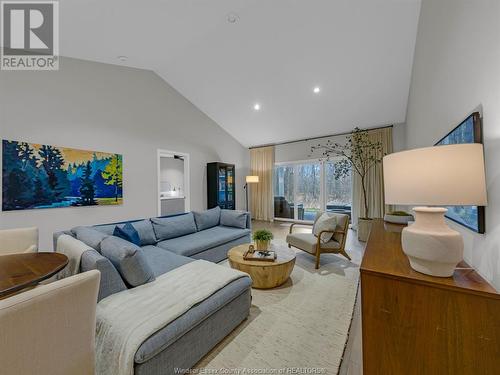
(103, 107)
(457, 70)
(302, 150)
(399, 137)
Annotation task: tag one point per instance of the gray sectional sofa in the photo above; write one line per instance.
(162, 245)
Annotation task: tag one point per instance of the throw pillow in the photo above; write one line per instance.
(128, 233)
(143, 227)
(207, 219)
(325, 222)
(146, 232)
(233, 218)
(128, 259)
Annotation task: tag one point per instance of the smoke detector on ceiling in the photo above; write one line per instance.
(232, 17)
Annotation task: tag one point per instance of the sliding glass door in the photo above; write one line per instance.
(338, 193)
(284, 191)
(303, 188)
(308, 191)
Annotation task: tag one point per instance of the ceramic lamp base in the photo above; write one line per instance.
(432, 247)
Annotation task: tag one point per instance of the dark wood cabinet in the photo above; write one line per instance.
(221, 185)
(419, 324)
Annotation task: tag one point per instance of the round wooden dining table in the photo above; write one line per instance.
(19, 271)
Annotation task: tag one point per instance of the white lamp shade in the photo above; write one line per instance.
(451, 175)
(252, 179)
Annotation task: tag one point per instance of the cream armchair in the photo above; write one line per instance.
(50, 329)
(308, 242)
(21, 240)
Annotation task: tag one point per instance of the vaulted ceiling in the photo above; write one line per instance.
(359, 53)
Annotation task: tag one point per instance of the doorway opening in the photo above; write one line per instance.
(173, 183)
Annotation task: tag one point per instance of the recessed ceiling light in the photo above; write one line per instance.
(232, 18)
(316, 90)
(122, 58)
(256, 106)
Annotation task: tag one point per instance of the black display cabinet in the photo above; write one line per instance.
(221, 185)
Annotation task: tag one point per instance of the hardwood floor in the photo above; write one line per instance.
(352, 361)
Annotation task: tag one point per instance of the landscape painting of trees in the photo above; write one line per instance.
(41, 176)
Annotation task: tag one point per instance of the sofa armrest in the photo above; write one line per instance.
(56, 236)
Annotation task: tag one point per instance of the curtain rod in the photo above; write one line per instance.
(320, 137)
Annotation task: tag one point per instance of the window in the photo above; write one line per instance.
(302, 189)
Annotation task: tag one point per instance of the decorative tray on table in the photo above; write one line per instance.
(261, 255)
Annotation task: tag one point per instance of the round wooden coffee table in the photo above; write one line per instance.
(265, 275)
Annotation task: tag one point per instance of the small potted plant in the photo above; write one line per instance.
(398, 217)
(262, 238)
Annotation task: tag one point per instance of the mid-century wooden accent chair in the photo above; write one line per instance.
(308, 242)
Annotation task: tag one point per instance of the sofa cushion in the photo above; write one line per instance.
(233, 218)
(201, 241)
(106, 228)
(89, 236)
(128, 233)
(163, 261)
(128, 259)
(143, 227)
(219, 253)
(174, 226)
(193, 317)
(207, 219)
(111, 281)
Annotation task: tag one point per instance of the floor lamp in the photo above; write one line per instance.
(250, 180)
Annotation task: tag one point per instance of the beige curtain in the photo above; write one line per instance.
(261, 194)
(374, 181)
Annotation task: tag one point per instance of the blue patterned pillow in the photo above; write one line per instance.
(128, 233)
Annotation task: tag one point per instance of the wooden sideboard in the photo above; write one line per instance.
(424, 325)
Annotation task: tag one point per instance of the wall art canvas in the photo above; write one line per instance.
(41, 176)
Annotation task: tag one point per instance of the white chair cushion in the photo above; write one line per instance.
(325, 222)
(308, 241)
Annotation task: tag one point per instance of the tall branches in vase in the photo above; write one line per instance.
(359, 154)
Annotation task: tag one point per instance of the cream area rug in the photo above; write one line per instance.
(303, 324)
